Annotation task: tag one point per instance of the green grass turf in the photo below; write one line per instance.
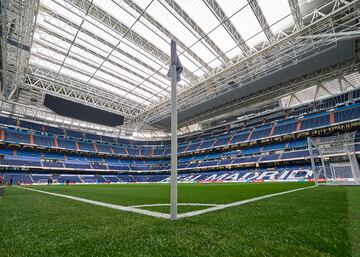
(354, 219)
(322, 221)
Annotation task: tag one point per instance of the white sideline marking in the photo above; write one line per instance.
(220, 207)
(165, 215)
(108, 205)
(179, 204)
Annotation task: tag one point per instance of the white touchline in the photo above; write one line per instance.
(199, 212)
(108, 205)
(179, 204)
(134, 208)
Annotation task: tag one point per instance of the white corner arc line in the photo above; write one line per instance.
(221, 207)
(108, 205)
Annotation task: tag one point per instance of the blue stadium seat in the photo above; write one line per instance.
(221, 141)
(315, 122)
(206, 144)
(285, 128)
(8, 121)
(99, 166)
(240, 137)
(133, 151)
(297, 143)
(193, 147)
(347, 113)
(251, 150)
(52, 164)
(54, 130)
(295, 154)
(43, 140)
(30, 125)
(274, 147)
(74, 134)
(225, 162)
(270, 157)
(77, 165)
(66, 143)
(17, 136)
(261, 133)
(103, 148)
(119, 150)
(6, 151)
(86, 146)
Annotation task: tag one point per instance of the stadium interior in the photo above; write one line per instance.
(86, 101)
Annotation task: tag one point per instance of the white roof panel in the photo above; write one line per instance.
(137, 68)
(277, 13)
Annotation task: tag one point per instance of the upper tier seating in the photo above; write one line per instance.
(86, 146)
(346, 113)
(285, 127)
(103, 148)
(258, 127)
(295, 154)
(43, 140)
(66, 143)
(17, 136)
(240, 136)
(261, 132)
(315, 121)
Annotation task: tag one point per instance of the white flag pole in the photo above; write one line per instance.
(173, 211)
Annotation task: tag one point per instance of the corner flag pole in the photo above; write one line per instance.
(174, 80)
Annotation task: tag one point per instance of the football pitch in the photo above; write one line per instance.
(320, 221)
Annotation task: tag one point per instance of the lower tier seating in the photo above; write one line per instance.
(281, 173)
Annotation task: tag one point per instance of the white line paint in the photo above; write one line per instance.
(221, 207)
(164, 215)
(179, 204)
(108, 205)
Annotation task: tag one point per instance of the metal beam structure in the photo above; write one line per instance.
(17, 27)
(3, 67)
(62, 86)
(157, 84)
(80, 59)
(230, 28)
(81, 45)
(75, 37)
(51, 14)
(120, 28)
(262, 20)
(273, 94)
(288, 49)
(165, 31)
(296, 13)
(326, 88)
(183, 15)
